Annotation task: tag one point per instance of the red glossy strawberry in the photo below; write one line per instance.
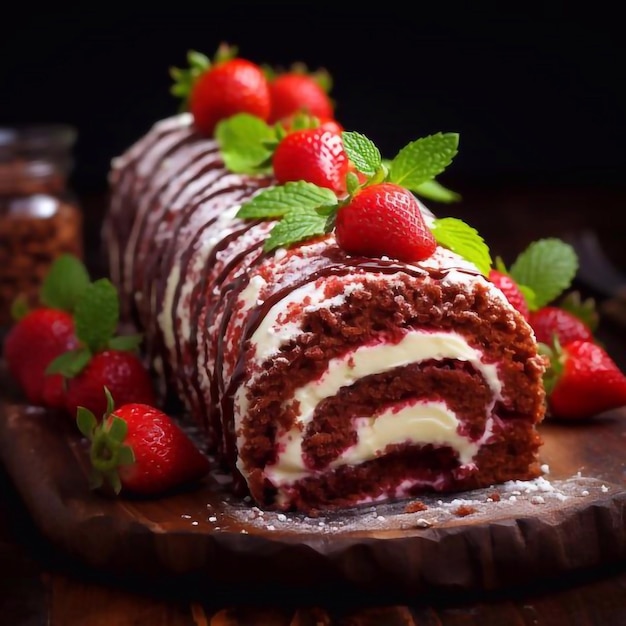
(314, 155)
(511, 290)
(226, 88)
(552, 320)
(583, 381)
(120, 371)
(294, 92)
(384, 220)
(139, 449)
(33, 343)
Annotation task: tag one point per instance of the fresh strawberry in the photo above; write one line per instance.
(33, 343)
(120, 371)
(313, 155)
(226, 88)
(138, 449)
(384, 219)
(511, 290)
(549, 321)
(583, 381)
(293, 92)
(101, 359)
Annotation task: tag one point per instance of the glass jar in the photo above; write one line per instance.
(40, 217)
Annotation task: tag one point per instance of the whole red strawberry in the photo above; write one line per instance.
(511, 290)
(33, 343)
(384, 220)
(226, 88)
(549, 321)
(139, 449)
(315, 155)
(120, 371)
(294, 92)
(583, 381)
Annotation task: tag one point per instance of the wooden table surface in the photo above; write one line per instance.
(40, 585)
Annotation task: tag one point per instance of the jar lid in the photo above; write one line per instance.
(37, 140)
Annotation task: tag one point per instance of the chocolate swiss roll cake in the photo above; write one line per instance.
(321, 379)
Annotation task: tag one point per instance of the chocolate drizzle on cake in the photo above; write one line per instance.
(321, 379)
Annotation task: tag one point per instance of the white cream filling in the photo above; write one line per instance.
(423, 423)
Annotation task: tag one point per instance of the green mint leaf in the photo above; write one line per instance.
(64, 283)
(126, 342)
(456, 235)
(362, 152)
(97, 314)
(277, 201)
(69, 364)
(19, 308)
(547, 266)
(242, 140)
(296, 226)
(434, 190)
(584, 310)
(423, 159)
(352, 183)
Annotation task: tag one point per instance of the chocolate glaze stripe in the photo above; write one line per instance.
(139, 185)
(156, 201)
(164, 239)
(198, 299)
(119, 217)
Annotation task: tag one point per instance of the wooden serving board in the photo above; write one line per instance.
(573, 518)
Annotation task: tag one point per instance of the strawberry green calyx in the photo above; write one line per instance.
(96, 318)
(185, 78)
(556, 363)
(584, 310)
(108, 452)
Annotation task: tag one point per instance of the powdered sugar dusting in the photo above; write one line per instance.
(514, 499)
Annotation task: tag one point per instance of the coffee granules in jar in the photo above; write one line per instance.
(40, 217)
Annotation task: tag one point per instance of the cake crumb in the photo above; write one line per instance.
(270, 527)
(423, 523)
(545, 468)
(494, 496)
(281, 517)
(585, 492)
(415, 507)
(604, 489)
(194, 523)
(464, 510)
(537, 500)
(243, 531)
(212, 518)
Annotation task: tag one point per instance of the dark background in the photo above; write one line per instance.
(537, 97)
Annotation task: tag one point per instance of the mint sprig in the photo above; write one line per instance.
(456, 235)
(548, 267)
(423, 159)
(64, 283)
(304, 210)
(96, 318)
(434, 190)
